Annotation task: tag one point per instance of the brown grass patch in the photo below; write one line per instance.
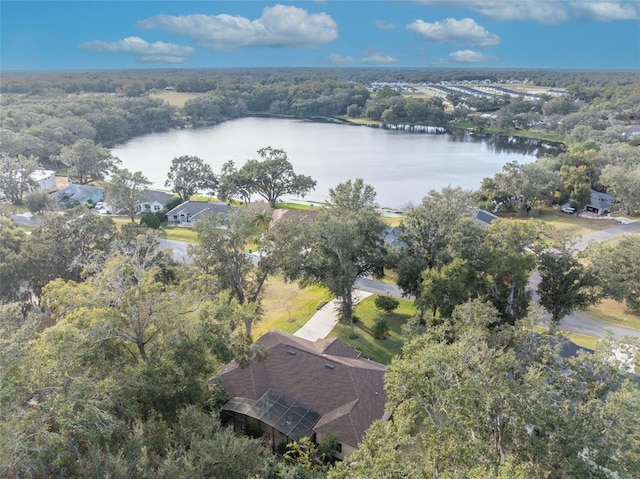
(615, 313)
(287, 306)
(175, 98)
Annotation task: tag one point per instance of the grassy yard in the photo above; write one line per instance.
(175, 98)
(287, 307)
(583, 340)
(378, 350)
(615, 313)
(566, 225)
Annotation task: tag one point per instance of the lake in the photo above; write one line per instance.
(402, 167)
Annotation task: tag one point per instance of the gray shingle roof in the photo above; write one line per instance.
(78, 193)
(149, 196)
(197, 209)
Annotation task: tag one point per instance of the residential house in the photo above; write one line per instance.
(633, 131)
(187, 213)
(73, 195)
(600, 203)
(153, 201)
(282, 215)
(483, 217)
(304, 389)
(44, 180)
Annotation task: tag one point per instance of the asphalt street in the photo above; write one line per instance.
(574, 322)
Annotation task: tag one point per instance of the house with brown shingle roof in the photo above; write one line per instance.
(304, 389)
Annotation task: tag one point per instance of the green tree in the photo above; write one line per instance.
(430, 232)
(125, 191)
(565, 283)
(386, 303)
(525, 186)
(576, 185)
(273, 176)
(62, 246)
(11, 262)
(618, 269)
(509, 261)
(221, 253)
(623, 181)
(15, 176)
(39, 201)
(190, 174)
(344, 244)
(234, 183)
(87, 161)
(499, 402)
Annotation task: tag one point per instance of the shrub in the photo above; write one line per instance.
(38, 202)
(386, 303)
(150, 220)
(172, 203)
(161, 216)
(381, 329)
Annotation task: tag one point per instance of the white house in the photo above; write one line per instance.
(187, 213)
(44, 179)
(153, 201)
(600, 203)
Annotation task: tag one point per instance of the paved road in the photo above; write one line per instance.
(609, 233)
(577, 322)
(574, 322)
(26, 219)
(178, 248)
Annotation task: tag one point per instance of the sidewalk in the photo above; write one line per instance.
(320, 324)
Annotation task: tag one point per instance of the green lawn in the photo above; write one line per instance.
(565, 225)
(378, 350)
(287, 307)
(615, 313)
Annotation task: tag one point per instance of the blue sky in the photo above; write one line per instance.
(540, 34)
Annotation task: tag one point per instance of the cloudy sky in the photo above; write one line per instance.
(558, 34)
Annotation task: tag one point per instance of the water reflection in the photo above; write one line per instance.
(402, 166)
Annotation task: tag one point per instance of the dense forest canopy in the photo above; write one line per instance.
(108, 345)
(106, 81)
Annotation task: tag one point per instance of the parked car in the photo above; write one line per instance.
(99, 205)
(568, 209)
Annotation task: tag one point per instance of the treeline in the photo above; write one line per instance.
(203, 80)
(43, 125)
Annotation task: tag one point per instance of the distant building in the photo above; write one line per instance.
(600, 203)
(74, 195)
(45, 180)
(187, 213)
(153, 201)
(482, 217)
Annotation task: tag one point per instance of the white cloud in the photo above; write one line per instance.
(371, 55)
(464, 32)
(143, 50)
(549, 12)
(470, 56)
(607, 11)
(279, 26)
(384, 25)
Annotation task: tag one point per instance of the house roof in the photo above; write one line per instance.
(283, 214)
(602, 201)
(38, 175)
(150, 196)
(327, 376)
(78, 193)
(197, 209)
(483, 217)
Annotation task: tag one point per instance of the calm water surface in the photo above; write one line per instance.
(402, 167)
